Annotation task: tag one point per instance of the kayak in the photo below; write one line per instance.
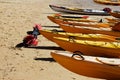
(116, 27)
(78, 10)
(108, 2)
(50, 34)
(70, 16)
(53, 19)
(86, 24)
(88, 65)
(89, 47)
(89, 30)
(112, 20)
(115, 14)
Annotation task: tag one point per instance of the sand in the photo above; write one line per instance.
(16, 18)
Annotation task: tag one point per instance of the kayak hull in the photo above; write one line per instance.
(87, 48)
(87, 68)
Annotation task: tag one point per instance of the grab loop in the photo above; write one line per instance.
(78, 55)
(55, 31)
(71, 38)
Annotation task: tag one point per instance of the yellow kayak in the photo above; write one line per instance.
(49, 34)
(88, 47)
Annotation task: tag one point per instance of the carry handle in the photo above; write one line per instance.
(55, 31)
(78, 56)
(71, 38)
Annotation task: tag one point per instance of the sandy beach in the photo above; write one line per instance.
(16, 18)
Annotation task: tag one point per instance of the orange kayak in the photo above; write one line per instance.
(90, 24)
(53, 18)
(88, 66)
(89, 30)
(116, 27)
(112, 20)
(88, 47)
(115, 14)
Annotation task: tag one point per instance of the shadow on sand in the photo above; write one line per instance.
(40, 47)
(51, 26)
(47, 47)
(45, 59)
